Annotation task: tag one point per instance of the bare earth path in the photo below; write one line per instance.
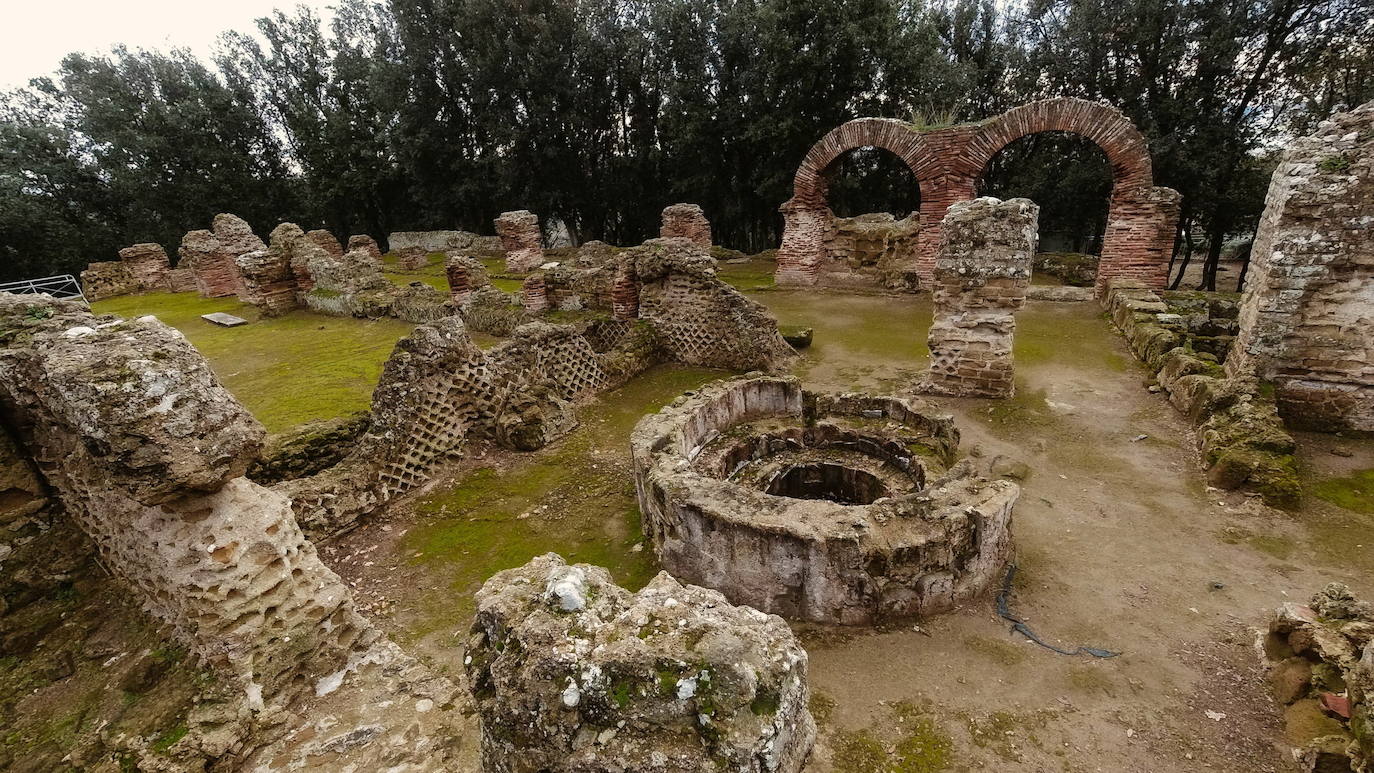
(1120, 545)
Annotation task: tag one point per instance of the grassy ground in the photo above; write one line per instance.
(287, 370)
(433, 273)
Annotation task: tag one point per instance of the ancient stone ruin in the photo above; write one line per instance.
(571, 672)
(326, 241)
(981, 276)
(465, 275)
(521, 239)
(212, 255)
(1320, 659)
(947, 163)
(686, 221)
(831, 508)
(148, 264)
(1309, 298)
(366, 244)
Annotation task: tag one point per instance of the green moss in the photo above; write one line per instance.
(859, 751)
(765, 703)
(169, 738)
(287, 370)
(999, 651)
(1337, 163)
(508, 285)
(917, 745)
(1354, 492)
(1277, 546)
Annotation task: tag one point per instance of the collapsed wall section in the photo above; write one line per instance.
(686, 221)
(521, 239)
(1308, 306)
(981, 275)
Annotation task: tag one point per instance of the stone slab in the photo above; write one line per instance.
(223, 320)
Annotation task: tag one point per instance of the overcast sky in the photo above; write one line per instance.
(36, 34)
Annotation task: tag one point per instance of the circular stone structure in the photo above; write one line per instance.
(843, 508)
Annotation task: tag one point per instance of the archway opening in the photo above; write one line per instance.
(1070, 177)
(871, 180)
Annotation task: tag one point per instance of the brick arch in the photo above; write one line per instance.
(1126, 148)
(896, 137)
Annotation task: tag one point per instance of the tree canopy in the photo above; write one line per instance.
(426, 114)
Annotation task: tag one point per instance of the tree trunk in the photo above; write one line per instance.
(1216, 236)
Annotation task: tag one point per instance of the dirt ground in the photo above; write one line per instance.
(1120, 545)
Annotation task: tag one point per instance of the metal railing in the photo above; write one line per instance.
(63, 286)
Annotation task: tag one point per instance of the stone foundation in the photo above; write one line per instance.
(108, 279)
(465, 275)
(326, 241)
(831, 508)
(686, 221)
(268, 281)
(411, 258)
(212, 255)
(366, 244)
(1309, 299)
(533, 294)
(521, 239)
(981, 277)
(571, 672)
(436, 241)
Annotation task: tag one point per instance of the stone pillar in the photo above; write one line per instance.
(211, 254)
(1308, 309)
(534, 295)
(148, 264)
(365, 243)
(688, 222)
(1139, 238)
(465, 276)
(520, 237)
(147, 451)
(293, 246)
(326, 241)
(981, 274)
(624, 296)
(804, 229)
(569, 671)
(268, 281)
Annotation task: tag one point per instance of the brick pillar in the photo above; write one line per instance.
(936, 197)
(625, 297)
(465, 276)
(534, 294)
(148, 264)
(803, 231)
(366, 244)
(412, 258)
(268, 281)
(981, 274)
(1141, 224)
(326, 241)
(686, 221)
(521, 239)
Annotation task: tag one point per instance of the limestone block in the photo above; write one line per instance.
(570, 672)
(365, 243)
(148, 264)
(686, 221)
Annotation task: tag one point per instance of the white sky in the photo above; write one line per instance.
(36, 34)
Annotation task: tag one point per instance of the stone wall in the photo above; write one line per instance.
(1309, 299)
(570, 672)
(267, 281)
(212, 255)
(326, 241)
(948, 161)
(699, 319)
(521, 239)
(148, 264)
(465, 276)
(147, 452)
(437, 241)
(366, 244)
(108, 279)
(981, 274)
(686, 221)
(354, 286)
(1241, 439)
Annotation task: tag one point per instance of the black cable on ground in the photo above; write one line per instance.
(1020, 627)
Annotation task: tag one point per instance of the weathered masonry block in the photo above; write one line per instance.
(365, 243)
(947, 162)
(572, 673)
(686, 221)
(829, 508)
(534, 294)
(1308, 309)
(212, 255)
(147, 451)
(520, 236)
(986, 247)
(107, 279)
(268, 282)
(148, 264)
(326, 241)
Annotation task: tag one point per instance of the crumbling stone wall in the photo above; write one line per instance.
(700, 319)
(148, 264)
(411, 258)
(326, 241)
(534, 294)
(571, 672)
(948, 161)
(366, 244)
(980, 282)
(1309, 298)
(1242, 441)
(1321, 671)
(438, 241)
(268, 281)
(108, 279)
(355, 287)
(878, 526)
(686, 221)
(521, 239)
(291, 244)
(212, 255)
(147, 452)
